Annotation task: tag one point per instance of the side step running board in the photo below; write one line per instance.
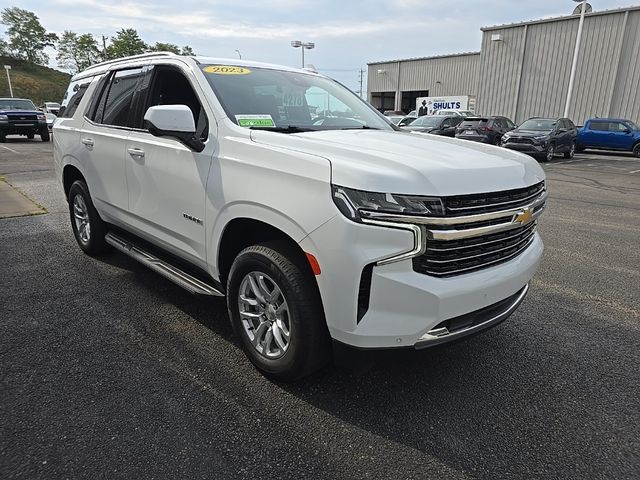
(170, 272)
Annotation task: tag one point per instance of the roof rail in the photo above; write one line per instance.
(134, 57)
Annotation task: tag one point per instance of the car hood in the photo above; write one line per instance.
(19, 112)
(528, 133)
(401, 162)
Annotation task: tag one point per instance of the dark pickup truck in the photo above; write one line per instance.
(19, 116)
(610, 134)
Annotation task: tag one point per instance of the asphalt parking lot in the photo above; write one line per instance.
(108, 370)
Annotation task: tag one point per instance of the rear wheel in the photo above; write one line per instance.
(636, 150)
(44, 135)
(276, 311)
(571, 152)
(88, 227)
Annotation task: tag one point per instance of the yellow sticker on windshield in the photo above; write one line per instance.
(226, 70)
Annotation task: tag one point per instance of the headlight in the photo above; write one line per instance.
(42, 117)
(541, 138)
(356, 203)
(4, 118)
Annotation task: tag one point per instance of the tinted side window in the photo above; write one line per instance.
(170, 87)
(599, 126)
(617, 127)
(570, 124)
(73, 96)
(118, 98)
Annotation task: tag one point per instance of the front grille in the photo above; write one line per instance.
(455, 257)
(526, 141)
(491, 202)
(22, 118)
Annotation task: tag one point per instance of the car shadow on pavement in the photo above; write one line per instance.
(503, 401)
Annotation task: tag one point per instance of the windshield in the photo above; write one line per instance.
(16, 104)
(538, 125)
(289, 101)
(427, 122)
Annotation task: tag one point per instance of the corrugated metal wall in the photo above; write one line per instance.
(527, 73)
(458, 75)
(532, 81)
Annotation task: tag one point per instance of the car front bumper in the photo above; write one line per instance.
(407, 308)
(533, 149)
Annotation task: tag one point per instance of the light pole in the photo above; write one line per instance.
(303, 46)
(574, 65)
(239, 54)
(7, 68)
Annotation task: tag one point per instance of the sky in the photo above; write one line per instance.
(347, 33)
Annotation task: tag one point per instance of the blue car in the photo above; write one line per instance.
(19, 116)
(610, 134)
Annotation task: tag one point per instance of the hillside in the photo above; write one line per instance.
(40, 84)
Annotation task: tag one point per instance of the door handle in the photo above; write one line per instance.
(88, 142)
(135, 152)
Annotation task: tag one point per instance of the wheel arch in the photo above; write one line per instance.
(70, 173)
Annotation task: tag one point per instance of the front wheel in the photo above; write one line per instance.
(88, 227)
(549, 153)
(275, 309)
(3, 137)
(571, 152)
(44, 135)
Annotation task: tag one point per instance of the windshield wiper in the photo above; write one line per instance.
(287, 129)
(364, 127)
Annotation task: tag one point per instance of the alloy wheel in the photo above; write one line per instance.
(550, 152)
(81, 218)
(264, 314)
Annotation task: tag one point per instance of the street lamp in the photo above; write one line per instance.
(574, 65)
(239, 54)
(7, 68)
(303, 46)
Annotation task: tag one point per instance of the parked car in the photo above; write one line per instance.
(50, 107)
(459, 113)
(401, 120)
(543, 138)
(610, 134)
(437, 125)
(19, 116)
(50, 119)
(214, 174)
(394, 113)
(484, 129)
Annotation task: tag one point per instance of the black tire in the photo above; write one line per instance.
(636, 150)
(30, 136)
(549, 153)
(571, 152)
(94, 244)
(3, 137)
(308, 345)
(580, 149)
(44, 135)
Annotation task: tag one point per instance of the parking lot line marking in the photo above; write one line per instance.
(635, 171)
(10, 149)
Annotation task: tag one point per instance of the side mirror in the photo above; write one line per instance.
(173, 121)
(627, 131)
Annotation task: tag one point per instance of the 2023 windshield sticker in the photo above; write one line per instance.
(265, 121)
(226, 70)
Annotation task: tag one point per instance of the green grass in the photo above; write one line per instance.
(40, 84)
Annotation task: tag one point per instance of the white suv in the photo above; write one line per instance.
(285, 192)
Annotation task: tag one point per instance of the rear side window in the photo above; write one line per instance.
(73, 96)
(114, 104)
(599, 126)
(617, 127)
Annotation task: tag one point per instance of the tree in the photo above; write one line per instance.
(125, 43)
(27, 37)
(165, 47)
(187, 50)
(77, 52)
(4, 48)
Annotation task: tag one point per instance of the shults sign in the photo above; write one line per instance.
(433, 104)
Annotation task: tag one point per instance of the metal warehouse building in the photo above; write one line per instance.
(523, 70)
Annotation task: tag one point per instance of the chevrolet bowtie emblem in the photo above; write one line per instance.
(524, 217)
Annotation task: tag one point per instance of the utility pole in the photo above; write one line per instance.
(361, 81)
(7, 68)
(576, 52)
(104, 47)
